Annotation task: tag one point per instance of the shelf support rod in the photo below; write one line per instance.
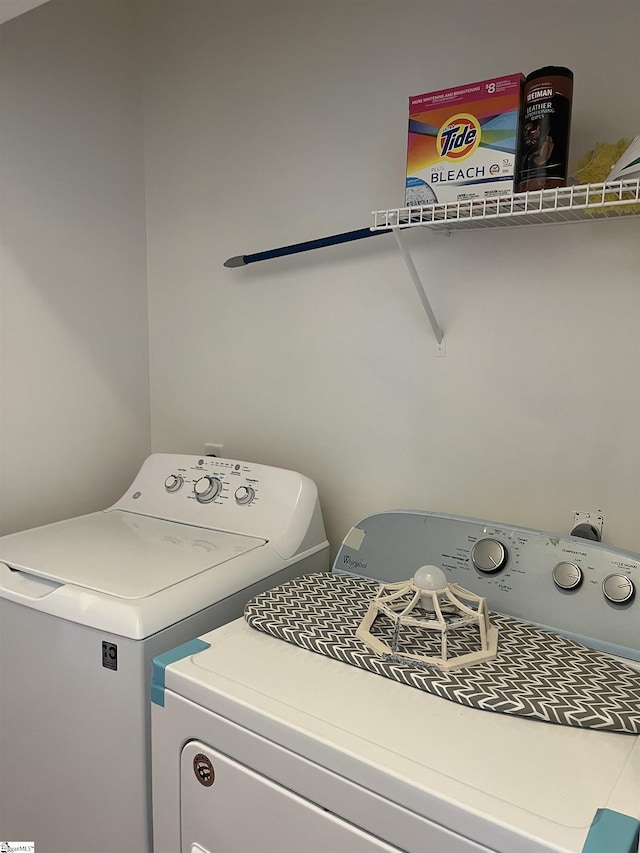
(413, 272)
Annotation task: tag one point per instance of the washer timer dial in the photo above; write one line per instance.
(489, 555)
(207, 489)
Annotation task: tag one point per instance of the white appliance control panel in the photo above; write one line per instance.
(582, 588)
(221, 494)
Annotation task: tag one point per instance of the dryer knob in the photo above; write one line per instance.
(173, 482)
(207, 489)
(567, 576)
(618, 588)
(489, 555)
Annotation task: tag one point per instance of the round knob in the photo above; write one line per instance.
(489, 555)
(244, 495)
(207, 488)
(567, 576)
(618, 588)
(173, 482)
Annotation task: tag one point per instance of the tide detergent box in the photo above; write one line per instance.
(462, 142)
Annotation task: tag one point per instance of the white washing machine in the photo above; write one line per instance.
(277, 734)
(85, 605)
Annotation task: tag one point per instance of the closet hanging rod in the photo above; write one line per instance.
(308, 245)
(348, 237)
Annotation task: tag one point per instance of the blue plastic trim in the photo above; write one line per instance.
(612, 832)
(161, 662)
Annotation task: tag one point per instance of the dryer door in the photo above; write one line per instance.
(226, 806)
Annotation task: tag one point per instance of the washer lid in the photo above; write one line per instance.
(119, 553)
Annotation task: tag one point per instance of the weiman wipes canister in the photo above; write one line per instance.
(545, 123)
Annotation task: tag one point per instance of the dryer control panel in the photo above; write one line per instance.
(578, 587)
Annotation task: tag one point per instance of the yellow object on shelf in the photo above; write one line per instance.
(596, 166)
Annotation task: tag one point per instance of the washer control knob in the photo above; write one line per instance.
(207, 489)
(567, 576)
(618, 588)
(489, 555)
(173, 482)
(244, 495)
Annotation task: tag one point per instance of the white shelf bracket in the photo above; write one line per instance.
(413, 272)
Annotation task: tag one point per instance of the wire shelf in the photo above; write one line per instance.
(586, 202)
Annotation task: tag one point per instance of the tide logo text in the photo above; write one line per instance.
(458, 137)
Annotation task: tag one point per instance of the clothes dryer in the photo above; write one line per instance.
(85, 604)
(282, 732)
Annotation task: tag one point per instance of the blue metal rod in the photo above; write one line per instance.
(346, 237)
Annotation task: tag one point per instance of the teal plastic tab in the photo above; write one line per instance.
(161, 662)
(612, 832)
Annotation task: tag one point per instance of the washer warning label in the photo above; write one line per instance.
(109, 655)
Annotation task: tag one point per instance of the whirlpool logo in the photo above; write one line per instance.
(354, 564)
(458, 137)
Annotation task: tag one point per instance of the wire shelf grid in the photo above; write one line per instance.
(585, 202)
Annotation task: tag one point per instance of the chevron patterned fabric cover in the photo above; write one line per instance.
(536, 674)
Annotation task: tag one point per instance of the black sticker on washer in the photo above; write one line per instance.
(109, 655)
(203, 768)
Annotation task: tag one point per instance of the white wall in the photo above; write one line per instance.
(75, 394)
(268, 123)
